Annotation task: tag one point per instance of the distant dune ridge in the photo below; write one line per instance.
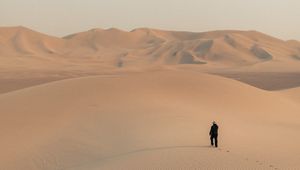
(145, 99)
(145, 47)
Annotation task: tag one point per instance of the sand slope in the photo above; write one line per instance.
(161, 118)
(292, 93)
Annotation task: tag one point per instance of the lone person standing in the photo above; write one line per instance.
(214, 134)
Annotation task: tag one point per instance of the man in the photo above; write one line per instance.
(214, 134)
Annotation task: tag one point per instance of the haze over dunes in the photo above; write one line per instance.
(144, 99)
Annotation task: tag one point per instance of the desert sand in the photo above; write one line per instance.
(145, 99)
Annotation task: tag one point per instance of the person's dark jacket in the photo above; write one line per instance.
(214, 130)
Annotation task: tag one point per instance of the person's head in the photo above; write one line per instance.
(214, 122)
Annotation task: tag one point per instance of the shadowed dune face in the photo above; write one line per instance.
(296, 56)
(203, 48)
(230, 40)
(79, 123)
(266, 80)
(261, 53)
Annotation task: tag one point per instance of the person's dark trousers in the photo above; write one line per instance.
(214, 139)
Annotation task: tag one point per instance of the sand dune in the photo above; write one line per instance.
(28, 56)
(160, 118)
(146, 47)
(226, 48)
(21, 40)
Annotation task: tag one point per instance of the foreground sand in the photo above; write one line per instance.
(144, 120)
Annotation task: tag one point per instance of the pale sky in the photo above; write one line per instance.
(280, 18)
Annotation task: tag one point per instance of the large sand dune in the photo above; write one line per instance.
(148, 119)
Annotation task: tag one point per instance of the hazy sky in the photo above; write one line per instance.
(280, 18)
